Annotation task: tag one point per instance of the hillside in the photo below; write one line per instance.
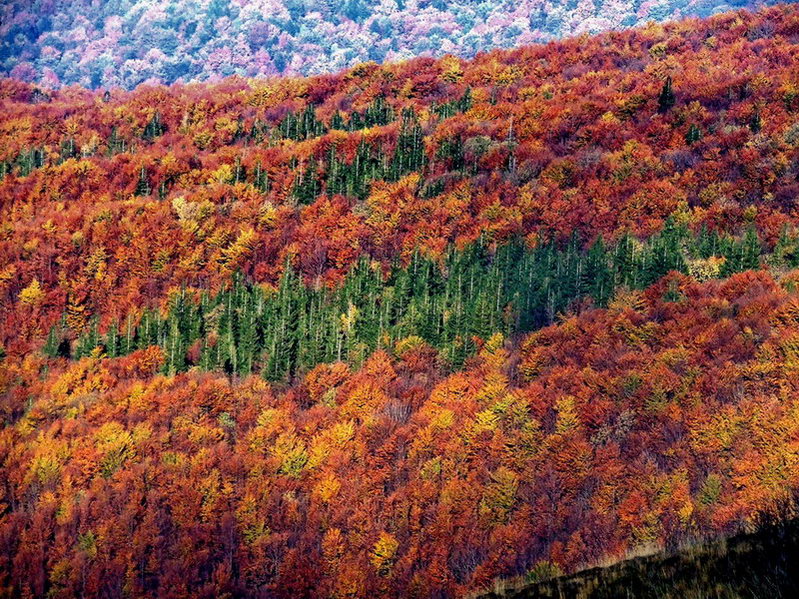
(126, 43)
(402, 330)
(669, 415)
(113, 203)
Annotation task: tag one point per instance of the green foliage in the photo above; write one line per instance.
(304, 126)
(409, 154)
(666, 99)
(154, 128)
(711, 490)
(471, 295)
(693, 135)
(453, 107)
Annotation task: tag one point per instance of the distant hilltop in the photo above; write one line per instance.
(123, 44)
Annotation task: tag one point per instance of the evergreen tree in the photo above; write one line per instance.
(693, 135)
(378, 113)
(751, 250)
(475, 293)
(337, 122)
(409, 153)
(112, 341)
(143, 185)
(154, 127)
(756, 122)
(666, 99)
(599, 278)
(306, 186)
(465, 103)
(53, 345)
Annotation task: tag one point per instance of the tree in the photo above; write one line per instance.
(756, 121)
(32, 295)
(384, 553)
(693, 135)
(666, 99)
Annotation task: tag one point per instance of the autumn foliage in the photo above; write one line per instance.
(561, 318)
(111, 201)
(647, 423)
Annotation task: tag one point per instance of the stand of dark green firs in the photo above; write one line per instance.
(470, 294)
(450, 304)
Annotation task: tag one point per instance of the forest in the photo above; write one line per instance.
(403, 330)
(125, 43)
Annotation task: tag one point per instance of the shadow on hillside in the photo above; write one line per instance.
(762, 565)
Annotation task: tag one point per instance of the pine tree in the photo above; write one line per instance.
(666, 99)
(306, 186)
(174, 347)
(625, 262)
(54, 339)
(756, 122)
(378, 113)
(260, 179)
(337, 122)
(154, 127)
(751, 250)
(599, 278)
(409, 153)
(693, 135)
(115, 145)
(112, 341)
(143, 185)
(465, 103)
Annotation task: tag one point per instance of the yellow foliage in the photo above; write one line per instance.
(267, 215)
(431, 468)
(203, 139)
(47, 462)
(451, 69)
(628, 299)
(96, 264)
(342, 432)
(290, 450)
(407, 344)
(224, 174)
(327, 488)
(7, 273)
(484, 421)
(240, 248)
(348, 319)
(500, 495)
(384, 553)
(704, 269)
(79, 379)
(493, 351)
(658, 50)
(227, 125)
(442, 419)
(567, 419)
(496, 385)
(115, 444)
(32, 295)
(191, 214)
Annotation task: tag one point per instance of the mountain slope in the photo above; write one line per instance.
(112, 202)
(403, 330)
